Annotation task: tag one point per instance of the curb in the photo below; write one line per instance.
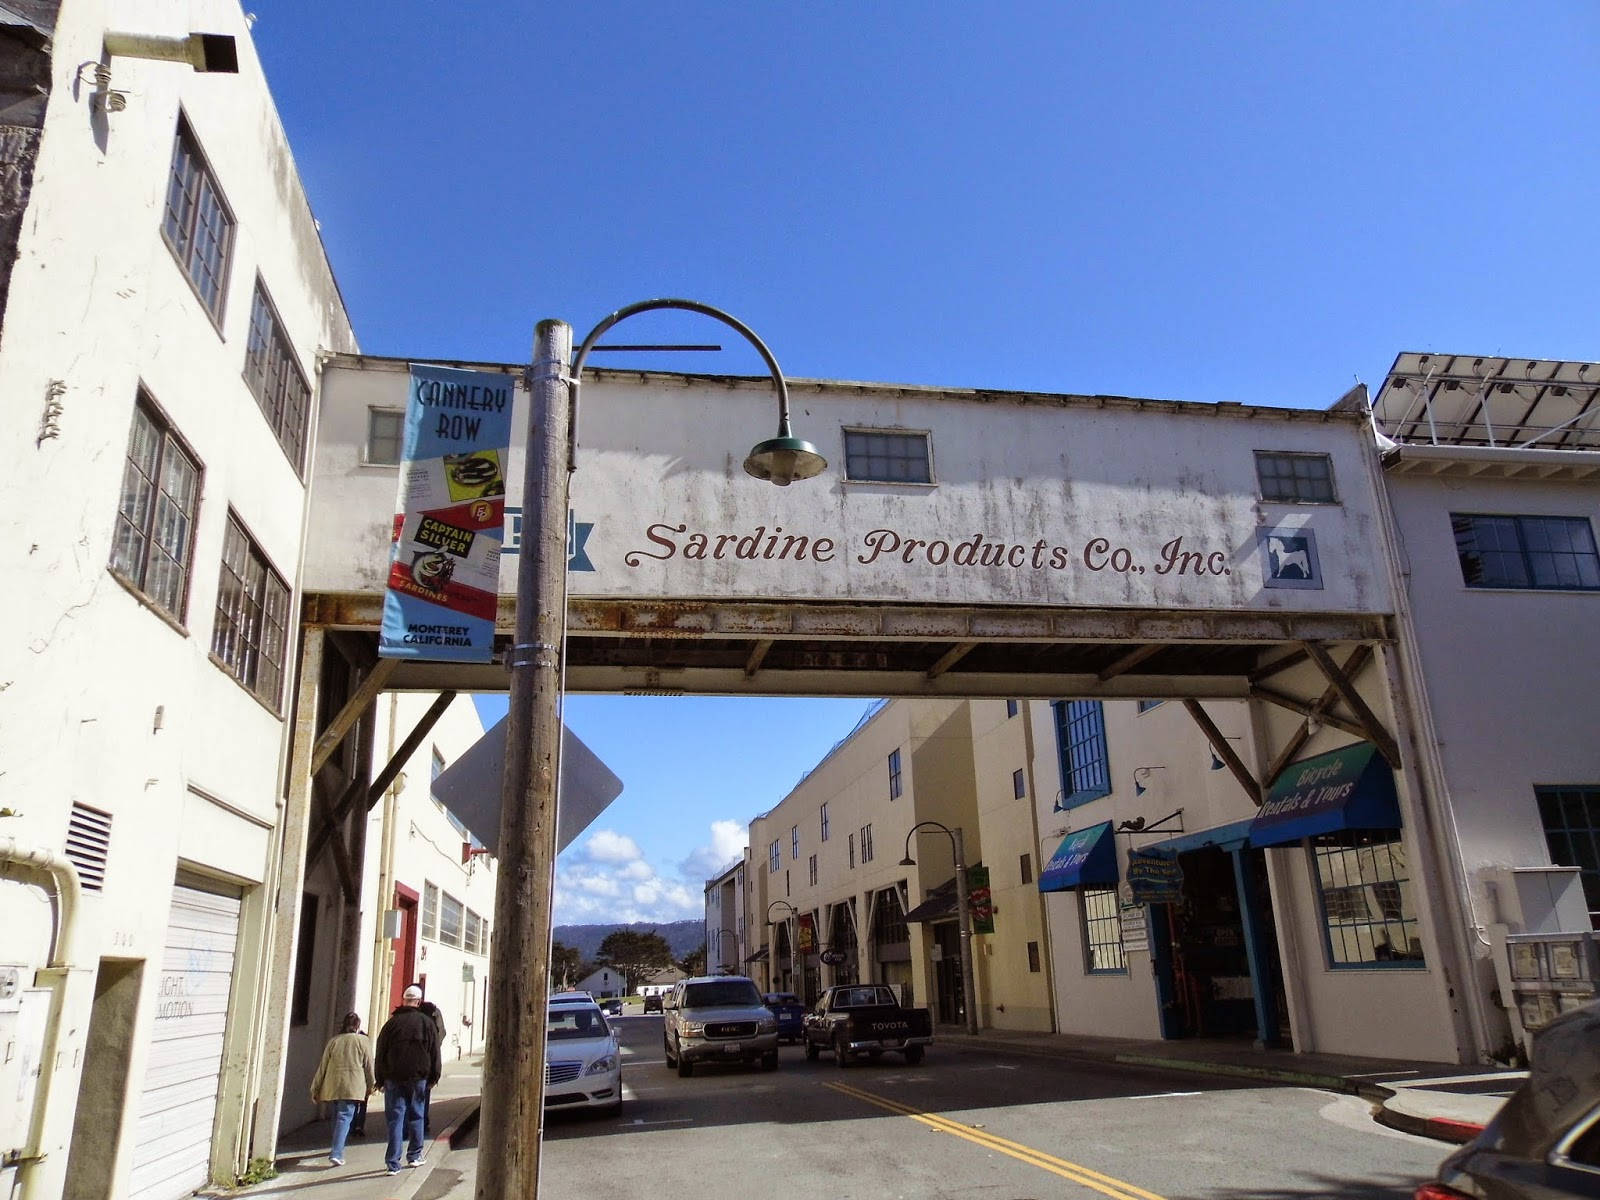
(1440, 1129)
(1330, 1083)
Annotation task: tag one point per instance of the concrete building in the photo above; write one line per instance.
(726, 944)
(164, 298)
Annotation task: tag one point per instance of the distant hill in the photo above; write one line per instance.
(682, 936)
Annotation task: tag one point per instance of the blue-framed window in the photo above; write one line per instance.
(1012, 708)
(894, 774)
(1102, 932)
(1146, 705)
(1365, 895)
(1081, 743)
(1526, 552)
(1571, 820)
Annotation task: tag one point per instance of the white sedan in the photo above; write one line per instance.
(582, 1061)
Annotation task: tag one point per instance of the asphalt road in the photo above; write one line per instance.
(964, 1125)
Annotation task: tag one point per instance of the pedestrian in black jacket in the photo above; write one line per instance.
(408, 1065)
(437, 1017)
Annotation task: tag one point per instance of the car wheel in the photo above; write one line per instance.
(769, 1061)
(811, 1051)
(685, 1067)
(841, 1056)
(913, 1055)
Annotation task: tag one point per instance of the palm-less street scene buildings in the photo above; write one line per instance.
(1267, 727)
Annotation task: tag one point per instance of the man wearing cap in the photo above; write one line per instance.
(408, 1065)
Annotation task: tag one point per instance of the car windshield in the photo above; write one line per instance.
(720, 993)
(574, 1022)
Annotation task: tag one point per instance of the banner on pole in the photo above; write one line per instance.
(444, 569)
(980, 902)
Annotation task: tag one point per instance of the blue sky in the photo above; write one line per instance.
(1250, 202)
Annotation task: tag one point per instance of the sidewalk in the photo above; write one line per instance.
(302, 1160)
(1436, 1100)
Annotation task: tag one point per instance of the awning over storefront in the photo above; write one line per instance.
(941, 903)
(759, 956)
(1350, 788)
(1085, 858)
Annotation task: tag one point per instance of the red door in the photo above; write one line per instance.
(405, 953)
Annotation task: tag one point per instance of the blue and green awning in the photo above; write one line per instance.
(1350, 788)
(1085, 858)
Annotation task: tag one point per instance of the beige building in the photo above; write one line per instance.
(837, 905)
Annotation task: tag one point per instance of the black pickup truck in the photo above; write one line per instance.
(857, 1019)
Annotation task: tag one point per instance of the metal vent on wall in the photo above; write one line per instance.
(88, 844)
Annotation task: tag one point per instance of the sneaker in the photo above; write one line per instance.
(415, 1162)
(392, 1171)
(336, 1162)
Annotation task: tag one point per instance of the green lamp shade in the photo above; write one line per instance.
(782, 460)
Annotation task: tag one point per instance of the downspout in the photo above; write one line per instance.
(15, 859)
(1439, 836)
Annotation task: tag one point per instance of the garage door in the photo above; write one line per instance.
(178, 1102)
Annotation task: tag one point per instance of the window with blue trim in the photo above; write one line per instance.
(1103, 952)
(1526, 552)
(1369, 914)
(1081, 743)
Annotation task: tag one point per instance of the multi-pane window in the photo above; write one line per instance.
(1081, 741)
(452, 916)
(435, 769)
(866, 843)
(430, 910)
(386, 430)
(197, 224)
(252, 613)
(1368, 911)
(1019, 784)
(154, 541)
(1102, 931)
(1295, 478)
(472, 935)
(794, 842)
(823, 821)
(1571, 820)
(852, 851)
(811, 869)
(1526, 552)
(894, 774)
(872, 456)
(274, 375)
(774, 857)
(1146, 705)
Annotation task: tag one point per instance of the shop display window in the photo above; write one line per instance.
(1364, 884)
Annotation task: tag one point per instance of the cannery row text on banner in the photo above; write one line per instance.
(444, 572)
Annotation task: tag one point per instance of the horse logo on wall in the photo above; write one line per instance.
(1289, 558)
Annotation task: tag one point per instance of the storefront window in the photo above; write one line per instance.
(1102, 931)
(1368, 911)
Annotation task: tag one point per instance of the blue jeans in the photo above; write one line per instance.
(343, 1112)
(402, 1107)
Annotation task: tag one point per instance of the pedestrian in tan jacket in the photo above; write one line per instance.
(344, 1079)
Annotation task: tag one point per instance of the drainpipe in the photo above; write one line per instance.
(15, 859)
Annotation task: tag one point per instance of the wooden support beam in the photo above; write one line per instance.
(1132, 659)
(1276, 666)
(345, 719)
(951, 657)
(758, 654)
(341, 863)
(1225, 752)
(408, 747)
(1352, 667)
(1375, 732)
(1308, 708)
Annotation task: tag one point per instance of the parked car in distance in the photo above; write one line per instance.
(791, 1015)
(582, 1061)
(1545, 1140)
(652, 1002)
(718, 1018)
(613, 1008)
(857, 1019)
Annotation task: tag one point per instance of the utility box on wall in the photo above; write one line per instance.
(24, 1016)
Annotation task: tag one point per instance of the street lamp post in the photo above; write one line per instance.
(513, 1079)
(788, 924)
(721, 953)
(969, 989)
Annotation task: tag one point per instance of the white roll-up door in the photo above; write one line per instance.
(178, 1102)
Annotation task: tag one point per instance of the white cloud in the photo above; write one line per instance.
(606, 845)
(608, 878)
(726, 847)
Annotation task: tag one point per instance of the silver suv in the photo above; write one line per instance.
(718, 1018)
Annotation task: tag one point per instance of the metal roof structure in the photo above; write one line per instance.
(1489, 401)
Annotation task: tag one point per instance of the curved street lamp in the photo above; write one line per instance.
(721, 963)
(794, 914)
(513, 1080)
(969, 990)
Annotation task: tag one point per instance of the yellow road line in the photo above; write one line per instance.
(1104, 1184)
